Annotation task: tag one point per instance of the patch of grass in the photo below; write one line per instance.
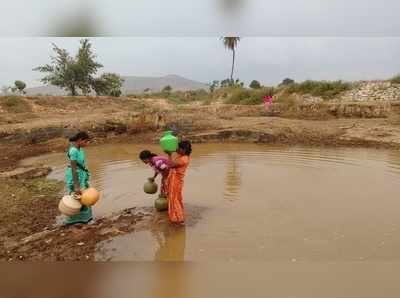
(15, 104)
(176, 97)
(207, 101)
(325, 89)
(286, 99)
(395, 79)
(242, 96)
(20, 201)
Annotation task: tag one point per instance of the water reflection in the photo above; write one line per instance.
(171, 241)
(164, 242)
(232, 178)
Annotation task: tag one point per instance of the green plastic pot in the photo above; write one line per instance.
(169, 142)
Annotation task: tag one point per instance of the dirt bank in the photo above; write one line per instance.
(41, 125)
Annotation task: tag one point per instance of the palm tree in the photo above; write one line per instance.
(231, 43)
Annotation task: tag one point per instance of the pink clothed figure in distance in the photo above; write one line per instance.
(267, 101)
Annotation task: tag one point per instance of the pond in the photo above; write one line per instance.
(256, 202)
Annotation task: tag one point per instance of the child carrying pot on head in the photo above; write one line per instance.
(161, 165)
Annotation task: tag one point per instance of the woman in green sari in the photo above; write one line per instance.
(77, 175)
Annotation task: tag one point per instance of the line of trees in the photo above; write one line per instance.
(78, 74)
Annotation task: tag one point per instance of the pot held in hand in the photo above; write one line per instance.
(69, 206)
(169, 142)
(90, 197)
(150, 187)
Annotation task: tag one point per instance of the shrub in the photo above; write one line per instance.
(20, 87)
(167, 89)
(214, 85)
(243, 96)
(108, 84)
(324, 89)
(395, 79)
(286, 82)
(255, 84)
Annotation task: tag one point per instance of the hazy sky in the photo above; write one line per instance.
(266, 59)
(202, 17)
(361, 39)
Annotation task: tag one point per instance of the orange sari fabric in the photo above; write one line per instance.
(176, 212)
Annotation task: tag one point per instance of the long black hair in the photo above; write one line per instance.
(82, 135)
(146, 154)
(186, 146)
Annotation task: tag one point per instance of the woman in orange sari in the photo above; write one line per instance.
(176, 176)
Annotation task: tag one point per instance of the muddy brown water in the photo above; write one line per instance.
(256, 202)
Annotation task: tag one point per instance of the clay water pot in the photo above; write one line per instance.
(69, 206)
(161, 204)
(90, 197)
(150, 187)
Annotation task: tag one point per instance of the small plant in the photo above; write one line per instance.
(395, 79)
(167, 89)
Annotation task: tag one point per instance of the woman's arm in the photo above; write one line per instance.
(173, 164)
(75, 179)
(155, 176)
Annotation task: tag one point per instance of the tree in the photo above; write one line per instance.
(71, 73)
(238, 83)
(231, 43)
(108, 84)
(231, 83)
(167, 89)
(286, 82)
(213, 86)
(225, 83)
(255, 84)
(146, 90)
(20, 87)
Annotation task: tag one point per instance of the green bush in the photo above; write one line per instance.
(242, 96)
(255, 84)
(286, 82)
(395, 79)
(324, 89)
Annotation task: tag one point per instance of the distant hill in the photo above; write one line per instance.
(134, 85)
